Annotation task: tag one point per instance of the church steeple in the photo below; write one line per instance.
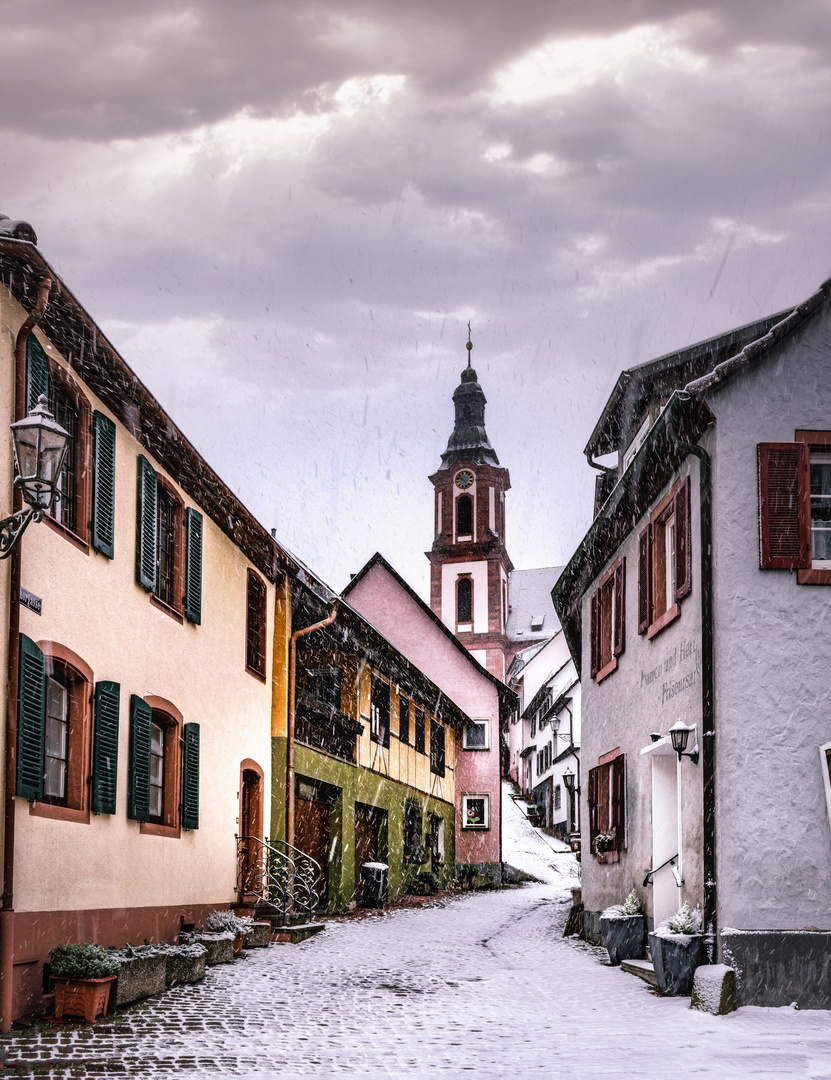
(469, 440)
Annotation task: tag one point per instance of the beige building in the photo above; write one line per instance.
(139, 658)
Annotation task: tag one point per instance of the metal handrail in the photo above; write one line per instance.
(648, 879)
(279, 874)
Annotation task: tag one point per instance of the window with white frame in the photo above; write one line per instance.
(476, 811)
(825, 759)
(477, 737)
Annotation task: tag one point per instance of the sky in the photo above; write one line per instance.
(284, 215)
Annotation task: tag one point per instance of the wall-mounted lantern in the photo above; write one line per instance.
(40, 445)
(680, 735)
(569, 779)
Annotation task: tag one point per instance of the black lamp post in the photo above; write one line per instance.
(40, 445)
(679, 733)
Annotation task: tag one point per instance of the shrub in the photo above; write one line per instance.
(632, 905)
(227, 920)
(82, 962)
(685, 920)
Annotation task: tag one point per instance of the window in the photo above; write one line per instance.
(413, 852)
(437, 840)
(477, 736)
(607, 622)
(324, 684)
(665, 561)
(464, 600)
(403, 719)
(558, 796)
(379, 711)
(475, 811)
(607, 829)
(464, 517)
(168, 548)
(436, 748)
(420, 732)
(255, 626)
(54, 721)
(163, 773)
(63, 407)
(825, 765)
(795, 506)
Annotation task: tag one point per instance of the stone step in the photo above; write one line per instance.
(293, 935)
(642, 968)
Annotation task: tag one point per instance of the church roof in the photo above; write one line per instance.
(469, 440)
(531, 614)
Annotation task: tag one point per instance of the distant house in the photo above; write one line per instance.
(697, 608)
(141, 617)
(388, 602)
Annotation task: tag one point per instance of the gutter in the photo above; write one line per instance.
(330, 618)
(7, 910)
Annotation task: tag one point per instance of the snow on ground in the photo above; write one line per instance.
(528, 849)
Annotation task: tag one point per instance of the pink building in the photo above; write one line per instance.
(388, 602)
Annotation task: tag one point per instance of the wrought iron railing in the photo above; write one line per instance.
(280, 875)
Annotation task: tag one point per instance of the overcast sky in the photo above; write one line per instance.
(284, 214)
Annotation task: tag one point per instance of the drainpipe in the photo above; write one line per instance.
(7, 910)
(708, 741)
(330, 618)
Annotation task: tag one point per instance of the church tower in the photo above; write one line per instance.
(469, 561)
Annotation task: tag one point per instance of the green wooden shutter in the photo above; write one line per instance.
(190, 778)
(31, 693)
(193, 566)
(138, 783)
(105, 747)
(146, 525)
(37, 372)
(103, 484)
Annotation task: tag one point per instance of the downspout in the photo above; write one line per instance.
(330, 618)
(7, 910)
(708, 742)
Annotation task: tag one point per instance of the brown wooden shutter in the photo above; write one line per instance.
(594, 637)
(784, 506)
(593, 828)
(683, 542)
(619, 629)
(619, 802)
(645, 580)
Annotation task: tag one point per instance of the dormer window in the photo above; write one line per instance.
(537, 623)
(635, 444)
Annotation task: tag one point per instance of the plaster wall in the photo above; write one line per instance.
(380, 599)
(93, 606)
(7, 388)
(773, 659)
(449, 575)
(656, 683)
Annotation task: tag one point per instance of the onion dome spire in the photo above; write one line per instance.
(469, 441)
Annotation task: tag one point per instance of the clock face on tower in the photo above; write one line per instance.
(464, 479)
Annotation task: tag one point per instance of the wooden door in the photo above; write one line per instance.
(368, 823)
(250, 831)
(311, 835)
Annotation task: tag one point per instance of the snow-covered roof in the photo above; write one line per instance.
(531, 614)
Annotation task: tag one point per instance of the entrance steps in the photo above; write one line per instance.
(293, 935)
(642, 968)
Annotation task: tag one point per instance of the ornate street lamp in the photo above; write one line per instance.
(40, 445)
(568, 780)
(680, 735)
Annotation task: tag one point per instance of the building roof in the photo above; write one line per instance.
(683, 421)
(507, 696)
(101, 367)
(531, 614)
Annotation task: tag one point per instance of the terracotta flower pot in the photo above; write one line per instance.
(238, 943)
(87, 998)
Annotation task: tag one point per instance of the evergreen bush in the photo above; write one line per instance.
(81, 962)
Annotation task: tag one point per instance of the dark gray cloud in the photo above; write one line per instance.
(285, 215)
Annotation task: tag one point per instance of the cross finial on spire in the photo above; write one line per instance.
(469, 345)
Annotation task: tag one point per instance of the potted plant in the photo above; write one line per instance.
(677, 947)
(228, 922)
(83, 975)
(624, 929)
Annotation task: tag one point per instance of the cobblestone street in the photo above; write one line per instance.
(479, 984)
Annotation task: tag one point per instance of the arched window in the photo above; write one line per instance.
(464, 600)
(464, 516)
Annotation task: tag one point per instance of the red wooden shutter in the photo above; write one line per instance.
(784, 506)
(593, 825)
(683, 542)
(619, 629)
(619, 802)
(645, 580)
(594, 637)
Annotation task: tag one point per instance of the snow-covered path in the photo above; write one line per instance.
(480, 984)
(528, 849)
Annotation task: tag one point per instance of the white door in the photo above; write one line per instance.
(666, 895)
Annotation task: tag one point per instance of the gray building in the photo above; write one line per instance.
(700, 595)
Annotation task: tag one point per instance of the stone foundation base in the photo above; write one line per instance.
(780, 967)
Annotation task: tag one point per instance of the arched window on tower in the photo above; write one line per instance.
(464, 516)
(464, 600)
